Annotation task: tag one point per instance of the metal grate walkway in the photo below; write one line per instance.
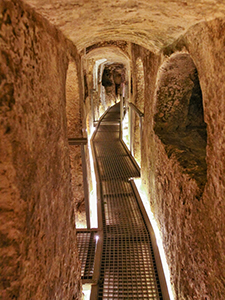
(86, 243)
(128, 268)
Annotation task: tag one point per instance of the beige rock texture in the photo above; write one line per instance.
(73, 105)
(74, 130)
(179, 119)
(189, 222)
(138, 84)
(181, 92)
(209, 60)
(39, 258)
(77, 185)
(152, 24)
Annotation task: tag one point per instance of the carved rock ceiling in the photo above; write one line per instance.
(150, 23)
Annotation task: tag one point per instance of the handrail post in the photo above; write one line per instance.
(86, 194)
(141, 126)
(121, 111)
(130, 127)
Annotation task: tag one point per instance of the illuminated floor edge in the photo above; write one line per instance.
(127, 269)
(146, 204)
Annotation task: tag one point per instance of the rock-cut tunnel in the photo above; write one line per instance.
(119, 256)
(111, 115)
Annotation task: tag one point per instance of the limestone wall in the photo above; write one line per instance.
(179, 115)
(74, 129)
(190, 219)
(138, 83)
(38, 256)
(206, 45)
(38, 235)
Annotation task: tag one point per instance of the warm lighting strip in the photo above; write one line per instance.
(93, 192)
(86, 291)
(146, 204)
(80, 225)
(95, 71)
(125, 130)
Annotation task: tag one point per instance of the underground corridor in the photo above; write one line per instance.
(119, 255)
(112, 144)
(114, 256)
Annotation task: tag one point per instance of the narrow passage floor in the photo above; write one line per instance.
(128, 269)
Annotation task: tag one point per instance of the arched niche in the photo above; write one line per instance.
(139, 102)
(103, 61)
(179, 115)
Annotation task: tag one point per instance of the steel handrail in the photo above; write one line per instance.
(134, 107)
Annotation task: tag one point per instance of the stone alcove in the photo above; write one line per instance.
(179, 115)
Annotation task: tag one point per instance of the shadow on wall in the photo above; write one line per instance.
(179, 118)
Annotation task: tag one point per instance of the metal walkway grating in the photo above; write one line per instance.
(86, 243)
(128, 268)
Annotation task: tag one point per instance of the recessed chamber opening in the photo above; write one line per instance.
(179, 118)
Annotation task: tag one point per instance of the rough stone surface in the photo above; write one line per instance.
(74, 130)
(138, 82)
(73, 109)
(209, 60)
(36, 262)
(172, 198)
(123, 45)
(77, 185)
(38, 255)
(179, 119)
(112, 79)
(191, 226)
(151, 24)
